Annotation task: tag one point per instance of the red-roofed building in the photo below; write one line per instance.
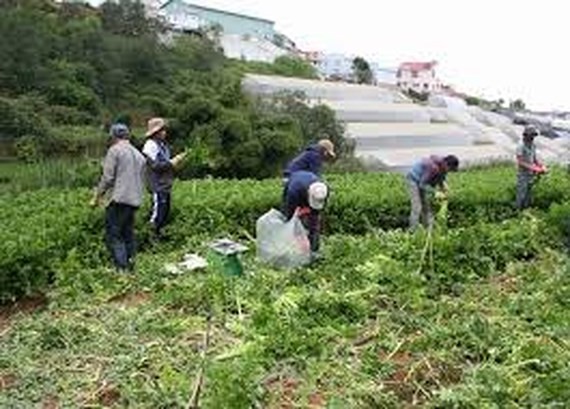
(419, 77)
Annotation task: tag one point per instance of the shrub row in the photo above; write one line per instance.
(359, 202)
(41, 228)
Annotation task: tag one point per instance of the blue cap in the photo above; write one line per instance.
(119, 131)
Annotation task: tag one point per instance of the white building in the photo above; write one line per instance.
(419, 77)
(249, 48)
(335, 66)
(338, 67)
(384, 75)
(152, 7)
(241, 36)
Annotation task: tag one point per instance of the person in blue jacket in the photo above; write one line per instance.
(311, 159)
(425, 176)
(306, 195)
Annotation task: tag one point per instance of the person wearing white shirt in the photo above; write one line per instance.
(161, 172)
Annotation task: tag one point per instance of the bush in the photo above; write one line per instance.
(44, 226)
(65, 115)
(40, 229)
(28, 149)
(285, 66)
(76, 141)
(19, 119)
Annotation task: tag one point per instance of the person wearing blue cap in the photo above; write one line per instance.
(121, 187)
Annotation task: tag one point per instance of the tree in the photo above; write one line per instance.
(362, 72)
(28, 40)
(44, 5)
(294, 67)
(79, 65)
(126, 17)
(470, 100)
(517, 105)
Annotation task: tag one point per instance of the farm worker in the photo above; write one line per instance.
(311, 159)
(161, 172)
(123, 177)
(528, 167)
(306, 195)
(427, 175)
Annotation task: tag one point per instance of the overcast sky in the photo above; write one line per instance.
(492, 48)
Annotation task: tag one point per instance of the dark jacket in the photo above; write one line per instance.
(310, 160)
(297, 196)
(161, 171)
(297, 191)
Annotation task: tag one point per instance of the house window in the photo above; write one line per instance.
(414, 74)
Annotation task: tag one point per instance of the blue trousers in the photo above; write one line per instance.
(311, 221)
(120, 234)
(160, 210)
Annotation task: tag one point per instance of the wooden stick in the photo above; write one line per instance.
(195, 398)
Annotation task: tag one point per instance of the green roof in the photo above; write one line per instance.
(218, 11)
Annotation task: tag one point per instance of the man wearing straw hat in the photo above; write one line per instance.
(311, 159)
(161, 172)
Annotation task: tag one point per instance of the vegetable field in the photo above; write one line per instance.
(476, 316)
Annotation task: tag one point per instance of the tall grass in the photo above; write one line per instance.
(18, 177)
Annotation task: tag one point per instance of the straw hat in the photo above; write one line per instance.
(155, 125)
(328, 146)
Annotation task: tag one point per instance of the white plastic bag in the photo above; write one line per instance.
(281, 243)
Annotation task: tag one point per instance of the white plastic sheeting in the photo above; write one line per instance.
(375, 136)
(269, 85)
(444, 101)
(392, 133)
(552, 150)
(374, 111)
(403, 159)
(438, 115)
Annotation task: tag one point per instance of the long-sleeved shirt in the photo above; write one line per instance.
(429, 172)
(123, 174)
(310, 160)
(526, 153)
(161, 171)
(297, 196)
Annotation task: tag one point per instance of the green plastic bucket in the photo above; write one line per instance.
(227, 264)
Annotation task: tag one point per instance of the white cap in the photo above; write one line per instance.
(318, 193)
